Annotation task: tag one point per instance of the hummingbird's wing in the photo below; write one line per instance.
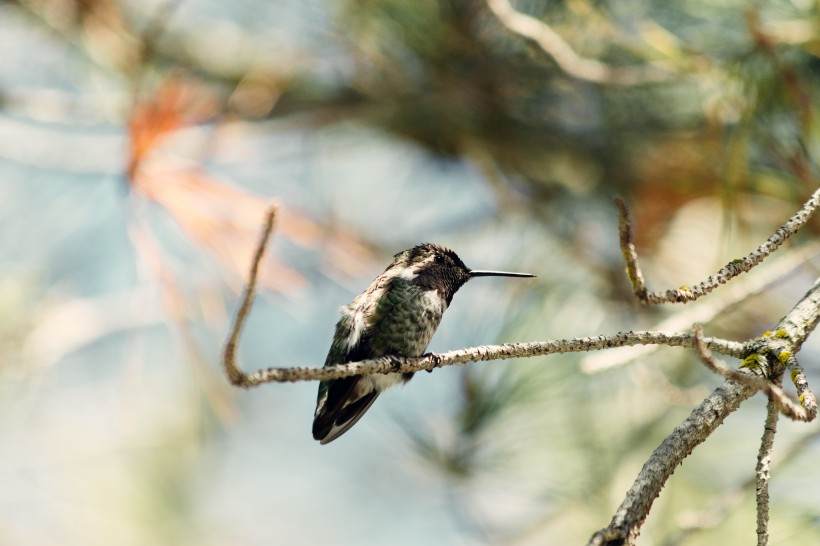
(345, 404)
(342, 402)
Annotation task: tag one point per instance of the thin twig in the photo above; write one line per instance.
(804, 394)
(705, 310)
(729, 271)
(235, 375)
(627, 239)
(565, 57)
(764, 459)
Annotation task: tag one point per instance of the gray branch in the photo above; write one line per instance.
(726, 273)
(789, 336)
(764, 461)
(389, 364)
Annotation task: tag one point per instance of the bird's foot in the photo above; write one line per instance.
(395, 361)
(435, 359)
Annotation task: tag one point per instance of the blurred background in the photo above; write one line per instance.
(140, 143)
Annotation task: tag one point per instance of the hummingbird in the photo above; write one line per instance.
(396, 315)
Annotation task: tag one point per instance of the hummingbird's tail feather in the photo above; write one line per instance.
(342, 408)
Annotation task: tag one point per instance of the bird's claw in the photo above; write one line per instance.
(396, 363)
(435, 359)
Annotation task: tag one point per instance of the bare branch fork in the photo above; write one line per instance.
(767, 360)
(729, 271)
(763, 366)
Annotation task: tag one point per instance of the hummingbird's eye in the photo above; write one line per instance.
(439, 259)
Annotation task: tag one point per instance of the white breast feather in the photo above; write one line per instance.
(433, 298)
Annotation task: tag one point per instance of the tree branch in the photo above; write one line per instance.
(565, 57)
(729, 271)
(789, 336)
(772, 389)
(764, 459)
(235, 375)
(392, 364)
(705, 310)
(804, 394)
(628, 519)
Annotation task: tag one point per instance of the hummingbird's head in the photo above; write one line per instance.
(436, 267)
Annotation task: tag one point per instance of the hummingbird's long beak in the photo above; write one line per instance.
(479, 273)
